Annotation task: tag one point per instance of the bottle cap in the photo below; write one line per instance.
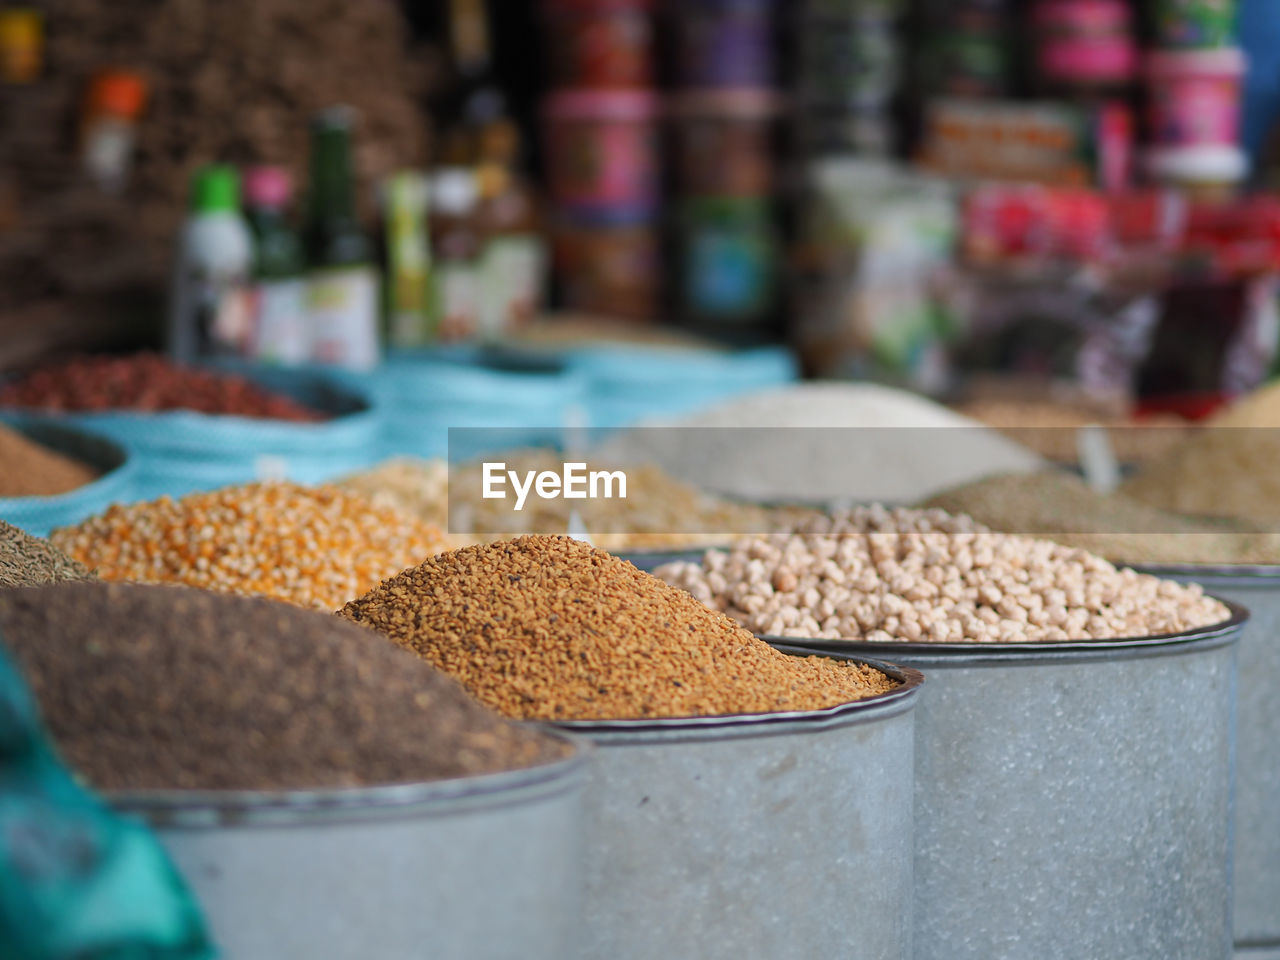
(267, 187)
(407, 190)
(215, 189)
(453, 190)
(117, 92)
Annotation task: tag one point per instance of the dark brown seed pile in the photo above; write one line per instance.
(27, 561)
(162, 687)
(28, 469)
(551, 628)
(150, 382)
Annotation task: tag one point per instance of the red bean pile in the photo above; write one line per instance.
(147, 381)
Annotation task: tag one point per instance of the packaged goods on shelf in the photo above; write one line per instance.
(1042, 142)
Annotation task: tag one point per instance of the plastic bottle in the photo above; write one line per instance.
(209, 309)
(278, 292)
(513, 262)
(342, 281)
(406, 298)
(455, 246)
(113, 103)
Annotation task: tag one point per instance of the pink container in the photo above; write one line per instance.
(602, 44)
(1195, 97)
(1085, 42)
(601, 149)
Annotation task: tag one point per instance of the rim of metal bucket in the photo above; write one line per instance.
(197, 809)
(898, 700)
(1220, 574)
(1036, 651)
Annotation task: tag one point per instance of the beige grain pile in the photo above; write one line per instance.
(550, 628)
(28, 469)
(1063, 508)
(1229, 468)
(940, 580)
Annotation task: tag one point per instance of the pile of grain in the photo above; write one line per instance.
(550, 628)
(313, 546)
(868, 442)
(26, 561)
(147, 382)
(28, 469)
(1063, 508)
(1051, 428)
(1216, 472)
(171, 688)
(940, 580)
(659, 511)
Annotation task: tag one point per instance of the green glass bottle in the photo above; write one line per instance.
(281, 333)
(342, 295)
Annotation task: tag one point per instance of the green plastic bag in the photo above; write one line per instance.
(77, 881)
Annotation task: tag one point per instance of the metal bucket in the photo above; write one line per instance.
(486, 868)
(1073, 800)
(1257, 858)
(784, 836)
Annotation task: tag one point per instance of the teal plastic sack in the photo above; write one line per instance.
(117, 484)
(181, 451)
(422, 396)
(78, 882)
(628, 384)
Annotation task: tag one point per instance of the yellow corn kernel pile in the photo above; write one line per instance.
(312, 546)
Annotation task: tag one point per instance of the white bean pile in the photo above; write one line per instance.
(925, 576)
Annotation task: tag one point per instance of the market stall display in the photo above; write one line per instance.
(311, 546)
(702, 736)
(313, 757)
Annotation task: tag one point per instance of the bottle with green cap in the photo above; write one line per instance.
(342, 296)
(209, 311)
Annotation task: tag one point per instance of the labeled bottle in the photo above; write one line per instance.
(406, 297)
(113, 104)
(278, 290)
(342, 279)
(209, 309)
(513, 261)
(456, 244)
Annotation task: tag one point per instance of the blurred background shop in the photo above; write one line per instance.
(966, 199)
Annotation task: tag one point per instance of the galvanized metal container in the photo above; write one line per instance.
(486, 868)
(784, 836)
(1257, 855)
(1073, 800)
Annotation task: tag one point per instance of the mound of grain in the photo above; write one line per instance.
(1063, 508)
(313, 546)
(904, 447)
(28, 469)
(27, 561)
(172, 688)
(550, 628)
(937, 580)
